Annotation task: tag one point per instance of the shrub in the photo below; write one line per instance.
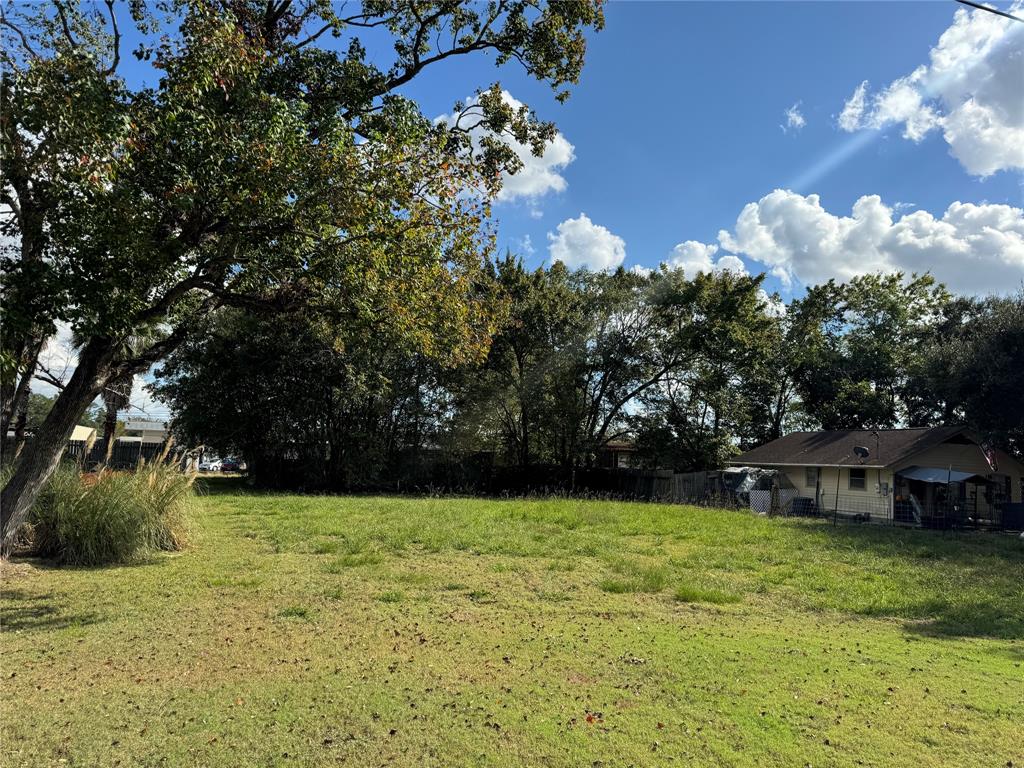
(111, 517)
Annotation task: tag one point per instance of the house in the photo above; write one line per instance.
(83, 434)
(924, 476)
(617, 454)
(144, 432)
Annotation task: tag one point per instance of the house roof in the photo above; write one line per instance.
(82, 434)
(835, 448)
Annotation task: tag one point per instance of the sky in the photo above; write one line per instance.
(806, 141)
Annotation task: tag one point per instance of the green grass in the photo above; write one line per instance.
(308, 631)
(689, 593)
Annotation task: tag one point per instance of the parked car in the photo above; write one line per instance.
(210, 465)
(231, 465)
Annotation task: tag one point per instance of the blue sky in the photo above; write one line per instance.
(679, 126)
(907, 154)
(676, 125)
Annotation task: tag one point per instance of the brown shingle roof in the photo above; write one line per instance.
(830, 449)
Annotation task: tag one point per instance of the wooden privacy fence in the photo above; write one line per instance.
(125, 455)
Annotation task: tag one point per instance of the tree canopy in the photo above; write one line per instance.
(265, 169)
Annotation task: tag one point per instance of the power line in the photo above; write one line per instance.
(996, 11)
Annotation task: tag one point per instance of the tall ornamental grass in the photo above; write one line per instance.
(111, 517)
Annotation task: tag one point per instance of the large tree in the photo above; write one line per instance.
(272, 165)
(509, 398)
(722, 383)
(970, 369)
(854, 344)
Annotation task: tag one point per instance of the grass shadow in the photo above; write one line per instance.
(22, 611)
(214, 485)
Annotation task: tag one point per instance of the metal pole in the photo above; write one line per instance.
(835, 512)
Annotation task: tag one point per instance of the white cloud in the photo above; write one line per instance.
(794, 119)
(526, 245)
(580, 242)
(143, 403)
(693, 256)
(972, 248)
(539, 175)
(970, 90)
(773, 305)
(853, 110)
(58, 358)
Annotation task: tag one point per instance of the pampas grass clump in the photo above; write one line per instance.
(112, 517)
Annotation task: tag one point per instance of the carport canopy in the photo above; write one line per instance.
(938, 475)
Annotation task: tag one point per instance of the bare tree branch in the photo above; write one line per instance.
(116, 45)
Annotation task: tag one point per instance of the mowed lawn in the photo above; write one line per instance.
(364, 631)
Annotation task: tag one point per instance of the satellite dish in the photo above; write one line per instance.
(862, 452)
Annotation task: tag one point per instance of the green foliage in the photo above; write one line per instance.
(261, 169)
(859, 341)
(111, 517)
(39, 406)
(969, 369)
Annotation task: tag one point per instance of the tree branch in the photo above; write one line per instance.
(24, 39)
(116, 45)
(64, 24)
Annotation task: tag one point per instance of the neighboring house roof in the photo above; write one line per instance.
(82, 434)
(835, 449)
(619, 445)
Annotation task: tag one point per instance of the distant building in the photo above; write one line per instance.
(83, 434)
(617, 454)
(903, 475)
(145, 432)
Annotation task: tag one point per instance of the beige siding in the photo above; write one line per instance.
(877, 496)
(874, 499)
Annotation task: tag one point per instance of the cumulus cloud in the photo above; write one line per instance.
(693, 256)
(580, 242)
(970, 90)
(539, 175)
(794, 119)
(972, 248)
(773, 305)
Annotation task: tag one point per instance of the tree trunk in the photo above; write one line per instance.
(19, 429)
(109, 430)
(43, 453)
(18, 397)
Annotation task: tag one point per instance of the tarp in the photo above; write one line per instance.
(936, 475)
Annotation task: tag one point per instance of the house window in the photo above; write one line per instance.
(857, 479)
(811, 477)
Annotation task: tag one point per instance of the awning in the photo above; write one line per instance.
(936, 475)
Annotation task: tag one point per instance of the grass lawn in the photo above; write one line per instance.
(440, 632)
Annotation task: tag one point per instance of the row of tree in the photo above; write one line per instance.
(262, 159)
(690, 369)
